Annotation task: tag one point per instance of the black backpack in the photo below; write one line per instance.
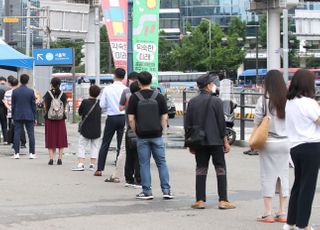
(148, 121)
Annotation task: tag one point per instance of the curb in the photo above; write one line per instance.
(179, 113)
(247, 115)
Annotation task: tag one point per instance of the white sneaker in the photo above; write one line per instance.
(289, 227)
(15, 156)
(32, 156)
(92, 167)
(80, 167)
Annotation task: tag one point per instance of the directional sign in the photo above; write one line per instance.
(51, 57)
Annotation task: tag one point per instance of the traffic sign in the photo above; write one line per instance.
(10, 20)
(51, 57)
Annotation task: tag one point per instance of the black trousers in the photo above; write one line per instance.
(132, 167)
(113, 124)
(306, 159)
(4, 125)
(202, 156)
(10, 134)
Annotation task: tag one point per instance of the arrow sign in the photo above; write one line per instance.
(52, 57)
(39, 56)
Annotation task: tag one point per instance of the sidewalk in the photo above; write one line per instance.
(37, 196)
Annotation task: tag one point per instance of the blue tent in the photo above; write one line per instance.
(11, 59)
(252, 72)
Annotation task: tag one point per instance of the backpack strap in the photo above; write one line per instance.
(50, 94)
(154, 95)
(139, 95)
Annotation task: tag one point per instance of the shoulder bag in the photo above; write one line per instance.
(196, 135)
(86, 116)
(260, 134)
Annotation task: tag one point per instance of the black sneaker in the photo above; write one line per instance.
(59, 162)
(50, 162)
(143, 196)
(168, 196)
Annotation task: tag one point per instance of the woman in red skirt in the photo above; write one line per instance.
(55, 127)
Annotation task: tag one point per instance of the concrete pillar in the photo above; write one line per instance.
(90, 58)
(273, 43)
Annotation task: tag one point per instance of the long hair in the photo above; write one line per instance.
(302, 85)
(276, 91)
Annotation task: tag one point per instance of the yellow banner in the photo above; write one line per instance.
(11, 20)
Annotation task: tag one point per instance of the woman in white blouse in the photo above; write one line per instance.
(274, 157)
(303, 127)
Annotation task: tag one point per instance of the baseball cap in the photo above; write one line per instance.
(206, 79)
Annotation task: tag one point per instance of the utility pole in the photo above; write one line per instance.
(28, 28)
(210, 39)
(97, 43)
(285, 47)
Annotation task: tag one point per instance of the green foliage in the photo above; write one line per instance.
(263, 31)
(312, 63)
(166, 60)
(192, 52)
(104, 51)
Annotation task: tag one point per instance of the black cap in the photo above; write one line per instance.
(206, 79)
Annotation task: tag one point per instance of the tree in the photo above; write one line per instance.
(166, 60)
(263, 30)
(312, 63)
(104, 51)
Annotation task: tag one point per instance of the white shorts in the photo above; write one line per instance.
(91, 146)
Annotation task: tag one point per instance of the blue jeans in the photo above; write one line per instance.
(154, 146)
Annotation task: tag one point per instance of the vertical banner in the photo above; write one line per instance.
(146, 37)
(115, 14)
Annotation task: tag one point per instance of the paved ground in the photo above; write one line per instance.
(35, 196)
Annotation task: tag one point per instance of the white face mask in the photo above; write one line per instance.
(214, 89)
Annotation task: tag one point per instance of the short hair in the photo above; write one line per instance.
(24, 79)
(134, 87)
(55, 82)
(94, 91)
(133, 76)
(3, 78)
(10, 77)
(302, 85)
(145, 78)
(13, 81)
(120, 73)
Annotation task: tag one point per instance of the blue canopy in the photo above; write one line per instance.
(11, 59)
(252, 72)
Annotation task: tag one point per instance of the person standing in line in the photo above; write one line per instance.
(55, 102)
(148, 118)
(3, 109)
(90, 130)
(24, 114)
(115, 121)
(132, 169)
(13, 83)
(215, 144)
(274, 157)
(303, 129)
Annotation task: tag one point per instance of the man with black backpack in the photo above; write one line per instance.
(148, 115)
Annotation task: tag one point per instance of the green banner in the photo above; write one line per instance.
(146, 37)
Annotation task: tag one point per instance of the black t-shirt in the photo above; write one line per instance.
(47, 101)
(133, 104)
(91, 127)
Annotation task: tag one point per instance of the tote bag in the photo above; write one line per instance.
(260, 134)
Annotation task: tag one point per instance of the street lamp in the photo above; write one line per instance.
(210, 52)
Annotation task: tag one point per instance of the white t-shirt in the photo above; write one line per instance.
(301, 115)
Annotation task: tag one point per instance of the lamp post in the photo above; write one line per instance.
(210, 39)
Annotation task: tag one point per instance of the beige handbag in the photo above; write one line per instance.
(260, 134)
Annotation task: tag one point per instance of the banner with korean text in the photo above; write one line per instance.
(115, 14)
(146, 37)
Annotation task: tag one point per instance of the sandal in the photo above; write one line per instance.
(266, 219)
(112, 179)
(281, 218)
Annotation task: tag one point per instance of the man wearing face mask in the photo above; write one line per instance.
(206, 111)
